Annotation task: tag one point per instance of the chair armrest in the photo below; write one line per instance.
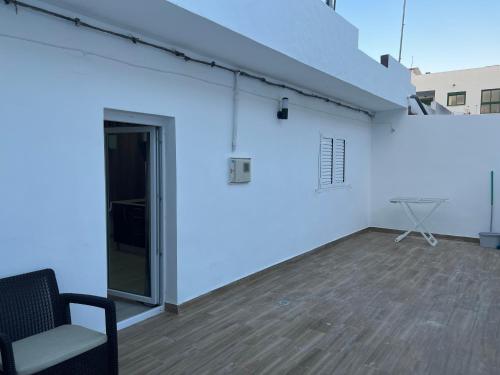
(86, 299)
(95, 301)
(7, 354)
(109, 307)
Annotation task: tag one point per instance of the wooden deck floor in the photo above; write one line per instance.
(365, 306)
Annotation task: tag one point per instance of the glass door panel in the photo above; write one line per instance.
(131, 217)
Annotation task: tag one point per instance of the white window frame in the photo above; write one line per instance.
(334, 185)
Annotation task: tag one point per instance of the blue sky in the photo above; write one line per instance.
(440, 34)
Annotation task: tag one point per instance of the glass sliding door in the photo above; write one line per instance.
(132, 212)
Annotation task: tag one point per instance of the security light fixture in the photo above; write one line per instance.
(283, 112)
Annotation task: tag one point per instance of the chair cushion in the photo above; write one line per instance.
(49, 348)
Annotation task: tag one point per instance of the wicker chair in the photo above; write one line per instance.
(34, 317)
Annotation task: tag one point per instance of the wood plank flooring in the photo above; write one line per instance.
(364, 306)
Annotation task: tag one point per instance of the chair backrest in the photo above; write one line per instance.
(29, 304)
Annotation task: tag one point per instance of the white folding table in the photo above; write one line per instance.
(405, 203)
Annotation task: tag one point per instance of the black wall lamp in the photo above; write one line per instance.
(283, 112)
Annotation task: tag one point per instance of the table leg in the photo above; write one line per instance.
(419, 223)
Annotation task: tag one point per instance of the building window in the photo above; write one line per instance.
(490, 101)
(332, 162)
(456, 98)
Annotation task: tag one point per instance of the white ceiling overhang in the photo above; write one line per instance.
(175, 26)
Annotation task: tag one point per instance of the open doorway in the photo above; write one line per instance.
(133, 220)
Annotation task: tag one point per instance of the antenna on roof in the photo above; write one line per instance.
(402, 31)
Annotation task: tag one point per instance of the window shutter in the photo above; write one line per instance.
(326, 162)
(332, 162)
(339, 167)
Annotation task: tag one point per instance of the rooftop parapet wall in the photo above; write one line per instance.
(312, 33)
(304, 29)
(301, 43)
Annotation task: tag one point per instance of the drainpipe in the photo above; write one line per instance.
(234, 142)
(420, 104)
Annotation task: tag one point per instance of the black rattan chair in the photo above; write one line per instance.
(32, 307)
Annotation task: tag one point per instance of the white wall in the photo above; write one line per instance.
(312, 33)
(280, 27)
(55, 84)
(472, 81)
(229, 232)
(300, 42)
(436, 156)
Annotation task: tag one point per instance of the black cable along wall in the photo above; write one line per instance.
(179, 54)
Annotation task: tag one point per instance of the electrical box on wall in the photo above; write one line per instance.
(240, 170)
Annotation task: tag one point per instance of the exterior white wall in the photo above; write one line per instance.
(472, 81)
(310, 32)
(436, 156)
(232, 231)
(300, 42)
(282, 32)
(56, 82)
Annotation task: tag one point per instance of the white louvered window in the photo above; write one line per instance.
(339, 159)
(332, 162)
(326, 162)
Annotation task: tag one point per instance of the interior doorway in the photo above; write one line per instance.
(133, 220)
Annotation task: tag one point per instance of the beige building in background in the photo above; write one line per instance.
(468, 91)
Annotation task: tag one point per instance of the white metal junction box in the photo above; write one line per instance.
(240, 171)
